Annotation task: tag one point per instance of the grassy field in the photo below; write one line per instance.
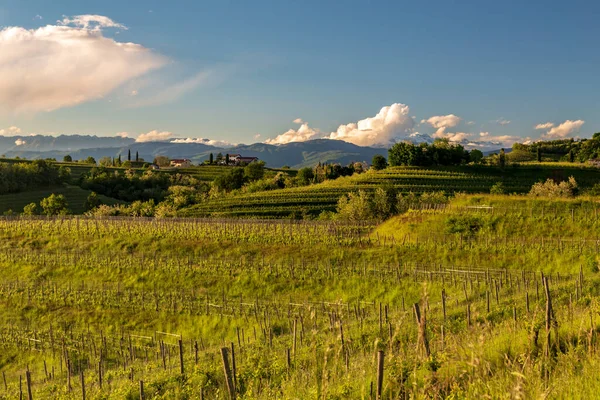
(75, 196)
(316, 198)
(307, 309)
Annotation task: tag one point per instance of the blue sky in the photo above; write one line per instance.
(230, 70)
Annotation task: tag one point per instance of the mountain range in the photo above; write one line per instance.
(294, 155)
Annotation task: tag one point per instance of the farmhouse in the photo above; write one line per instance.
(237, 159)
(181, 163)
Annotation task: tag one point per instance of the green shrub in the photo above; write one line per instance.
(552, 189)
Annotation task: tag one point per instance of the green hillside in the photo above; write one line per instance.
(75, 195)
(316, 198)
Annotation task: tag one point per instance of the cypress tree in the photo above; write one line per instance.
(539, 154)
(129, 155)
(210, 158)
(137, 157)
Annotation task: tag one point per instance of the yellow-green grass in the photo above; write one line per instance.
(75, 196)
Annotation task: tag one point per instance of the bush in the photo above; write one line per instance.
(30, 209)
(355, 207)
(464, 224)
(55, 204)
(497, 188)
(552, 189)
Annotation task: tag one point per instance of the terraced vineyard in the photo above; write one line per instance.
(316, 198)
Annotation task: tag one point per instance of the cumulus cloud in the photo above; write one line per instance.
(457, 137)
(20, 142)
(67, 64)
(302, 134)
(210, 142)
(544, 126)
(565, 129)
(10, 131)
(154, 136)
(389, 122)
(442, 123)
(502, 121)
(298, 121)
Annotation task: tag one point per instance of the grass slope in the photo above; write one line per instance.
(75, 195)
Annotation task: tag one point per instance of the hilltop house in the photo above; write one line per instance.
(237, 159)
(181, 163)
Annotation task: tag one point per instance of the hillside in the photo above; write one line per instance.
(75, 196)
(316, 198)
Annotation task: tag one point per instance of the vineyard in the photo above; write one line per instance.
(313, 199)
(486, 297)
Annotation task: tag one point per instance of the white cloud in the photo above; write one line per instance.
(565, 129)
(257, 136)
(457, 137)
(123, 134)
(38, 16)
(544, 126)
(471, 123)
(302, 134)
(95, 22)
(298, 121)
(210, 142)
(64, 65)
(20, 142)
(441, 123)
(484, 134)
(134, 93)
(502, 121)
(10, 131)
(154, 136)
(381, 129)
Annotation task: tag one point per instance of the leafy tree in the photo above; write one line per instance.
(219, 157)
(30, 209)
(384, 202)
(255, 171)
(502, 159)
(210, 159)
(64, 174)
(379, 162)
(162, 161)
(92, 201)
(55, 204)
(355, 207)
(67, 158)
(305, 176)
(402, 153)
(233, 179)
(106, 161)
(476, 156)
(90, 160)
